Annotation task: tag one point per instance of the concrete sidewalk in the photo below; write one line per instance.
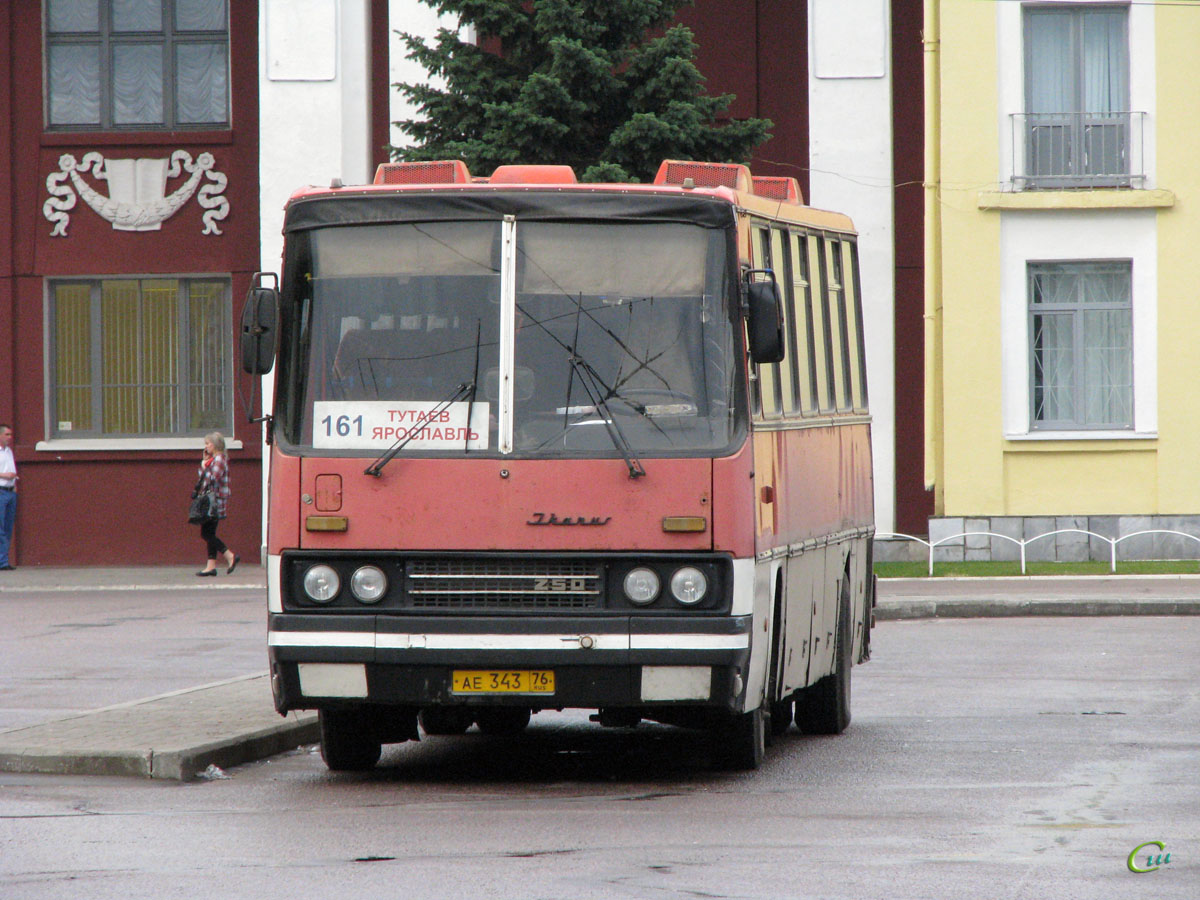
(1047, 595)
(33, 579)
(178, 735)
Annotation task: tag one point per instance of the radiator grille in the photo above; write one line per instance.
(501, 584)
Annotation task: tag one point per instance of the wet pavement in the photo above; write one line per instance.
(227, 717)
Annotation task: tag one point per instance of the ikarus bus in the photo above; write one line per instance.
(539, 445)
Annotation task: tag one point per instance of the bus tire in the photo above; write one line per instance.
(824, 708)
(740, 742)
(347, 742)
(781, 717)
(502, 719)
(438, 720)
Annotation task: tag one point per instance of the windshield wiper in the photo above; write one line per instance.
(592, 387)
(459, 392)
(474, 382)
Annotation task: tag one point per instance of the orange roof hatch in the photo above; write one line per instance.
(533, 175)
(449, 171)
(778, 188)
(704, 174)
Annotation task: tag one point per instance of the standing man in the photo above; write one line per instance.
(8, 494)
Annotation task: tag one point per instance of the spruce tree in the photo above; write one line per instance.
(607, 87)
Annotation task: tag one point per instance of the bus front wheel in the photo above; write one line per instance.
(740, 742)
(348, 744)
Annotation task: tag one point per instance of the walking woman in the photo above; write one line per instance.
(214, 476)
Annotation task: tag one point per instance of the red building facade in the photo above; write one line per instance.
(129, 238)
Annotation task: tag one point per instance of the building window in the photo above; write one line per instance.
(1077, 128)
(140, 357)
(136, 64)
(1081, 333)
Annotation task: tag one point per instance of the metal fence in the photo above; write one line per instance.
(1022, 544)
(1078, 149)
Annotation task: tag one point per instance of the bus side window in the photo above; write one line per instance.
(843, 392)
(822, 333)
(857, 341)
(783, 275)
(800, 311)
(768, 373)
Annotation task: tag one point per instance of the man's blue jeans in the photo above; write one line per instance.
(8, 518)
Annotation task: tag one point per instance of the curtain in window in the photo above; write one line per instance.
(200, 83)
(140, 357)
(1082, 344)
(73, 357)
(137, 15)
(200, 15)
(1051, 76)
(74, 84)
(119, 357)
(73, 15)
(1108, 367)
(138, 84)
(163, 63)
(159, 342)
(206, 376)
(1053, 368)
(1104, 70)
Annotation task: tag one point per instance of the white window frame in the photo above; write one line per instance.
(1071, 236)
(1075, 310)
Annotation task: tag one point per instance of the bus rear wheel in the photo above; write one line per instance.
(824, 708)
(781, 717)
(502, 719)
(740, 742)
(348, 743)
(440, 720)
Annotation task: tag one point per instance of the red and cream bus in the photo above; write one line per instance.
(538, 445)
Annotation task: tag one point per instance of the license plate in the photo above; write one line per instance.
(502, 681)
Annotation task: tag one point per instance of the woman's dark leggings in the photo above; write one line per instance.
(208, 531)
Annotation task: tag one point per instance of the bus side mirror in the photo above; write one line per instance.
(259, 320)
(765, 315)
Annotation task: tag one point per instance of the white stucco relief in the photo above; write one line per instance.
(137, 191)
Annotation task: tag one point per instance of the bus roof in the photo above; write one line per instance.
(771, 197)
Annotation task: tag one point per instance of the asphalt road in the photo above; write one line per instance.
(988, 758)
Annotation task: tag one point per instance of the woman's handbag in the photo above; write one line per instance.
(203, 506)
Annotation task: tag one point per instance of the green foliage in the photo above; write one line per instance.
(593, 84)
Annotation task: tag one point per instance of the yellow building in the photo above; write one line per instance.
(1062, 279)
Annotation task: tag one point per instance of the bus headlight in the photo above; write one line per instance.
(368, 584)
(688, 585)
(322, 584)
(641, 585)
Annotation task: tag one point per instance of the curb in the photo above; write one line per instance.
(183, 764)
(174, 736)
(992, 608)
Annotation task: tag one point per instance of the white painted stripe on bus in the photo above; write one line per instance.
(743, 587)
(321, 639)
(499, 641)
(689, 642)
(601, 642)
(274, 581)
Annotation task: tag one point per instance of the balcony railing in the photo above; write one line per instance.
(1078, 150)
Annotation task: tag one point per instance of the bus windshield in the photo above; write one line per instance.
(398, 335)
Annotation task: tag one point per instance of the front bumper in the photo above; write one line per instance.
(612, 661)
